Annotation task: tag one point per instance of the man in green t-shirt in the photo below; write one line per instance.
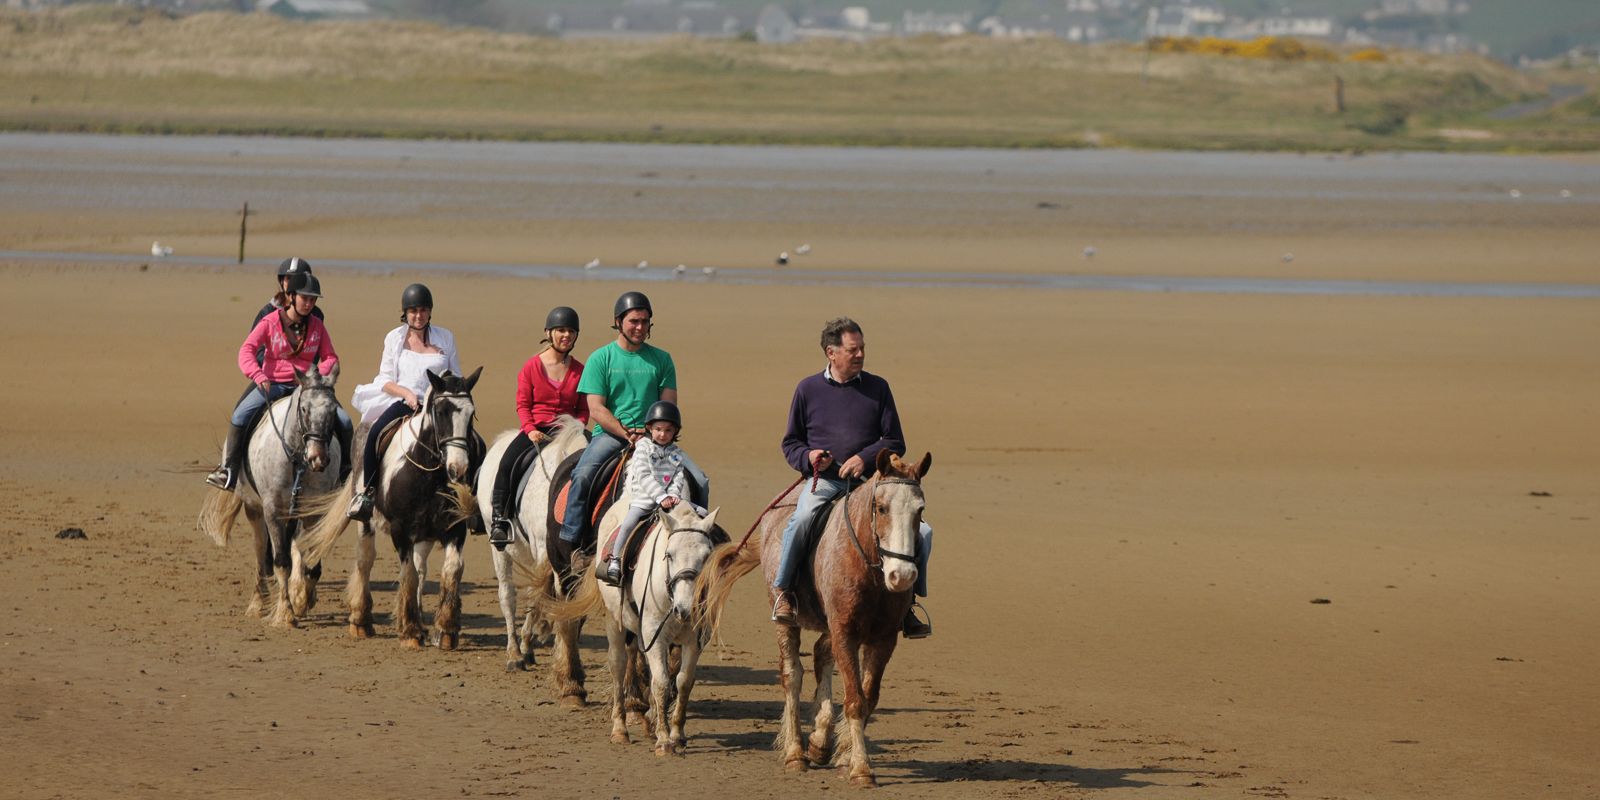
(621, 380)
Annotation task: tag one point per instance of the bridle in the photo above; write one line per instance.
(685, 574)
(436, 450)
(302, 417)
(883, 552)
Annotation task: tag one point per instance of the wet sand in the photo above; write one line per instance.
(1138, 498)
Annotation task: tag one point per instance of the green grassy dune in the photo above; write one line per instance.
(104, 69)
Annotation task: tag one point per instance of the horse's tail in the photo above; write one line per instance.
(584, 602)
(726, 565)
(461, 504)
(328, 511)
(217, 515)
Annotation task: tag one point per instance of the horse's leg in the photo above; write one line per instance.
(516, 651)
(358, 590)
(660, 680)
(820, 746)
(282, 611)
(530, 626)
(617, 664)
(420, 553)
(263, 577)
(635, 692)
(447, 621)
(875, 655)
(689, 661)
(299, 586)
(565, 666)
(846, 657)
(791, 674)
(407, 614)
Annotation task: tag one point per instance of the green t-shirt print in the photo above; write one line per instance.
(629, 382)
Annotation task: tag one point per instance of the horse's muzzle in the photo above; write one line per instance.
(316, 455)
(900, 577)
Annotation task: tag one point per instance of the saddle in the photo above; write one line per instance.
(602, 494)
(517, 483)
(630, 554)
(811, 531)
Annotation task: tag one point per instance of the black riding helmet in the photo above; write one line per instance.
(561, 317)
(416, 296)
(304, 283)
(664, 411)
(630, 301)
(293, 265)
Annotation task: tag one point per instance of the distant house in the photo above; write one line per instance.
(316, 9)
(1186, 19)
(646, 21)
(1303, 27)
(775, 26)
(937, 23)
(1072, 26)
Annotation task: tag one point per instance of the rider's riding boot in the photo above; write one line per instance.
(914, 628)
(613, 572)
(500, 531)
(226, 475)
(347, 461)
(783, 608)
(361, 506)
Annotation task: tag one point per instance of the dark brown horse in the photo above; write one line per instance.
(856, 593)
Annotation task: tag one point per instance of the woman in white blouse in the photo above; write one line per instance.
(410, 352)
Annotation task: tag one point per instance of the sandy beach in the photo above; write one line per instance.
(1138, 496)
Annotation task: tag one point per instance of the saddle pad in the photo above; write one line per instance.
(521, 473)
(602, 494)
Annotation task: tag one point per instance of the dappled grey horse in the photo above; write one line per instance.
(289, 466)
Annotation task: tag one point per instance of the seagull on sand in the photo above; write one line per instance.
(160, 250)
(1288, 257)
(709, 272)
(643, 265)
(592, 264)
(802, 249)
(678, 271)
(782, 259)
(1088, 252)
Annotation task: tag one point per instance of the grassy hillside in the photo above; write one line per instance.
(109, 70)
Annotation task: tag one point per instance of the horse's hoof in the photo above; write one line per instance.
(515, 665)
(412, 643)
(663, 750)
(573, 701)
(818, 755)
(447, 641)
(362, 630)
(620, 737)
(863, 781)
(795, 765)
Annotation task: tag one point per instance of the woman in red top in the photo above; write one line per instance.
(547, 387)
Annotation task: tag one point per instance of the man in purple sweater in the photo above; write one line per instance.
(845, 413)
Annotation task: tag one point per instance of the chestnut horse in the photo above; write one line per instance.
(856, 593)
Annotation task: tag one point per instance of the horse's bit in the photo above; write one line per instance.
(439, 445)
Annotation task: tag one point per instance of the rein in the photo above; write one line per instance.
(297, 458)
(770, 506)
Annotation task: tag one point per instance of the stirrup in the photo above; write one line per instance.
(221, 478)
(500, 532)
(360, 506)
(913, 627)
(783, 608)
(612, 574)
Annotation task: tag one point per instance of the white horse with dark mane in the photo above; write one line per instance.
(420, 501)
(527, 556)
(655, 612)
(289, 468)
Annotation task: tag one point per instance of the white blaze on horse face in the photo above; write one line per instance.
(900, 510)
(458, 420)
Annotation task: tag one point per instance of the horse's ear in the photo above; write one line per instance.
(923, 465)
(435, 381)
(473, 378)
(333, 374)
(885, 460)
(300, 377)
(711, 519)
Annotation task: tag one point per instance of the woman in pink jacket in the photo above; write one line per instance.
(293, 338)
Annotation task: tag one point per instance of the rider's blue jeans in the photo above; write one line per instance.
(793, 547)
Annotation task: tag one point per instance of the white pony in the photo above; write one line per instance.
(528, 557)
(654, 611)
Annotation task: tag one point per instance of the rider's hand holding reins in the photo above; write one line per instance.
(853, 467)
(820, 460)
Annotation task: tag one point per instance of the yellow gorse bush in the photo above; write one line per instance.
(1273, 48)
